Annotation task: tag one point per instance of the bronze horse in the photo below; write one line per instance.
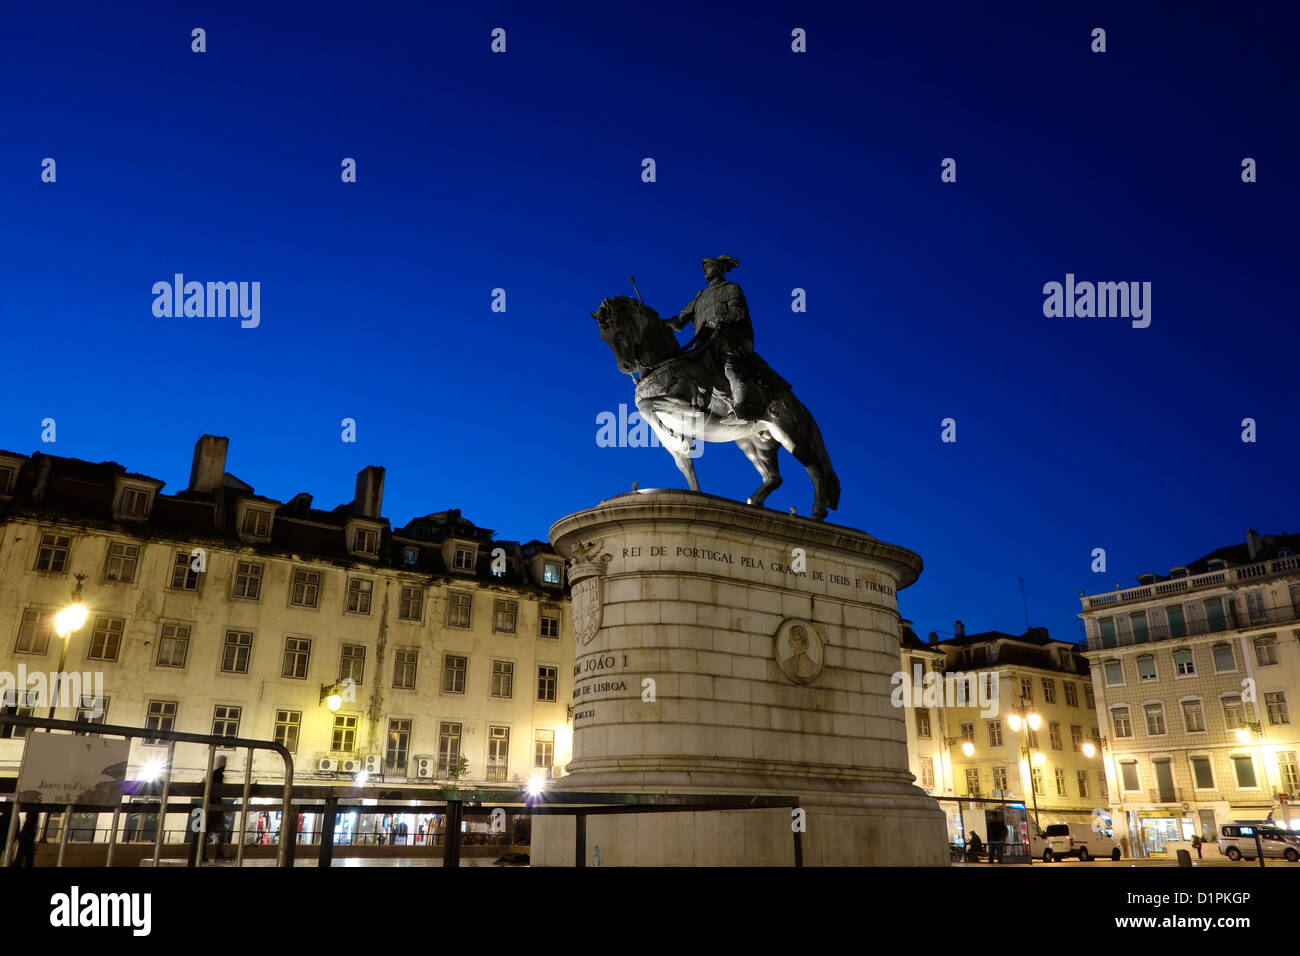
(682, 395)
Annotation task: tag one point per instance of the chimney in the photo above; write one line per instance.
(959, 629)
(934, 638)
(300, 503)
(1253, 543)
(369, 499)
(209, 466)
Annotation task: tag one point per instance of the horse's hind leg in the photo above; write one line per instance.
(782, 432)
(762, 453)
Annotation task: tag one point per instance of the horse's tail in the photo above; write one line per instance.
(812, 450)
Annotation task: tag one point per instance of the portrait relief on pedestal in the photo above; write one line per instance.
(799, 650)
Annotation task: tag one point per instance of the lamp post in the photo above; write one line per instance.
(1023, 721)
(66, 623)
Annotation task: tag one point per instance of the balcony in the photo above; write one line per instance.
(1249, 573)
(1231, 621)
(1170, 796)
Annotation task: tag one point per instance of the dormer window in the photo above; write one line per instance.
(134, 500)
(464, 559)
(551, 572)
(7, 473)
(1063, 656)
(410, 555)
(1283, 553)
(365, 541)
(1178, 572)
(459, 555)
(1216, 564)
(257, 523)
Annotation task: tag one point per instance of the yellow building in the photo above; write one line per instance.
(219, 611)
(1196, 673)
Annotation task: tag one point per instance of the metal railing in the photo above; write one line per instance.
(1251, 572)
(1157, 633)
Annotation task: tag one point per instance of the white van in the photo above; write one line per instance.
(1078, 840)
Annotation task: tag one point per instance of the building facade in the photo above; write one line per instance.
(220, 611)
(1195, 673)
(985, 749)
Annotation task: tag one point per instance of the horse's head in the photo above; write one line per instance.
(635, 334)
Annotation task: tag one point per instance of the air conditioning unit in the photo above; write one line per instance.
(374, 764)
(351, 765)
(424, 767)
(327, 765)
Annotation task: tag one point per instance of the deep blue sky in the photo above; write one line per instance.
(818, 170)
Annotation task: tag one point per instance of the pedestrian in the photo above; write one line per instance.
(26, 839)
(1196, 844)
(974, 847)
(997, 839)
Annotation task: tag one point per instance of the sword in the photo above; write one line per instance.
(632, 279)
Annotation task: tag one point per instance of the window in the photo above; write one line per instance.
(1101, 784)
(1138, 621)
(122, 561)
(1076, 737)
(544, 749)
(1000, 779)
(498, 762)
(352, 663)
(398, 750)
(1063, 657)
(1288, 771)
(19, 704)
(995, 733)
(926, 766)
(257, 523)
(1106, 631)
(1155, 719)
(1060, 782)
(1146, 665)
(548, 680)
(410, 555)
(1223, 658)
(1114, 673)
(458, 608)
(550, 624)
(1266, 650)
(184, 577)
(52, 556)
(1049, 691)
(1089, 698)
(1054, 735)
(1214, 615)
(973, 781)
(6, 479)
(287, 725)
(1036, 775)
(923, 722)
(248, 580)
(411, 605)
(1193, 717)
(161, 715)
(448, 745)
(1027, 689)
(236, 651)
(225, 721)
(550, 572)
(1119, 717)
(1071, 693)
(173, 645)
(365, 541)
(1177, 624)
(453, 674)
(1202, 773)
(1234, 714)
(1032, 735)
(464, 559)
(1275, 704)
(1183, 665)
(968, 730)
(1255, 606)
(106, 639)
(305, 589)
(360, 591)
(297, 655)
(404, 668)
(504, 614)
(1129, 775)
(344, 738)
(1245, 770)
(1083, 783)
(92, 710)
(503, 679)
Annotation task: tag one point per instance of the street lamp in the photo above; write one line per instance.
(1028, 722)
(331, 696)
(66, 623)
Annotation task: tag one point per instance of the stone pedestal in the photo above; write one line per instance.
(722, 648)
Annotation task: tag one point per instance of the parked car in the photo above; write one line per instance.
(1078, 840)
(1237, 841)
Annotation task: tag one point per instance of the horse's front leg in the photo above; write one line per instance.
(679, 446)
